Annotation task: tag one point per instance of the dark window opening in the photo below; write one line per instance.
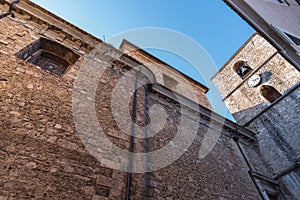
(283, 1)
(242, 69)
(272, 197)
(50, 62)
(49, 55)
(269, 93)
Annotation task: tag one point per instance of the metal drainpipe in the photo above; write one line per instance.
(147, 143)
(11, 6)
(261, 190)
(129, 177)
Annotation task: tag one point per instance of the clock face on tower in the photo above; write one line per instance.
(254, 80)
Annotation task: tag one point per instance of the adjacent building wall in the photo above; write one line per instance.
(278, 137)
(271, 18)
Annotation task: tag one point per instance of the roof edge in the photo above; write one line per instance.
(126, 42)
(54, 16)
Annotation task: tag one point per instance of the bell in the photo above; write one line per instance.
(243, 70)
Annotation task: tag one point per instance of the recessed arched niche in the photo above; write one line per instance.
(242, 68)
(49, 55)
(269, 93)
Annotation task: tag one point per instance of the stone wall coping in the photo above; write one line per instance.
(126, 44)
(34, 10)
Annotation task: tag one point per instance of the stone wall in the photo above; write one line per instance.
(44, 155)
(41, 152)
(278, 137)
(40, 145)
(217, 176)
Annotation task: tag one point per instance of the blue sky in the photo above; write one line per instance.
(212, 24)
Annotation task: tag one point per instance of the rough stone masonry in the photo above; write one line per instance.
(42, 156)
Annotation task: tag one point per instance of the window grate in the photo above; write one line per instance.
(49, 55)
(50, 62)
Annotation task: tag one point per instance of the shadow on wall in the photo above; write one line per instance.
(265, 77)
(244, 116)
(277, 130)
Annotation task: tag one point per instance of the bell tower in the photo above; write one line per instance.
(254, 78)
(262, 90)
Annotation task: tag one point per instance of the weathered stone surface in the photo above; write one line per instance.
(43, 157)
(168, 76)
(245, 102)
(276, 123)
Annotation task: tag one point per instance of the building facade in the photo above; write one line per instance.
(277, 21)
(44, 154)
